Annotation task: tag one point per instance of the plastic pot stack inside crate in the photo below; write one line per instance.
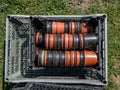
(64, 49)
(66, 43)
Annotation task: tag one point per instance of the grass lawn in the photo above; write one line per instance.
(77, 7)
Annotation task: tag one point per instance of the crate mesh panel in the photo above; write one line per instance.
(44, 86)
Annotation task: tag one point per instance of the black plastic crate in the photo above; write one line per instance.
(20, 52)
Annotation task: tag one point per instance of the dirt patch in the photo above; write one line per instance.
(116, 77)
(80, 4)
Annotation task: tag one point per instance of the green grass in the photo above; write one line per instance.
(51, 7)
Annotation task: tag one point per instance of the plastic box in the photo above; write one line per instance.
(20, 49)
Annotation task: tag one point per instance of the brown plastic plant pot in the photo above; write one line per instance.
(70, 41)
(72, 57)
(83, 58)
(60, 27)
(72, 27)
(45, 57)
(75, 58)
(83, 28)
(37, 38)
(54, 26)
(86, 27)
(46, 40)
(77, 27)
(78, 58)
(67, 58)
(66, 41)
(81, 41)
(57, 27)
(90, 58)
(51, 41)
(68, 62)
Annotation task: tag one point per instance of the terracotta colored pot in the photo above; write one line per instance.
(69, 58)
(90, 58)
(58, 27)
(69, 27)
(67, 41)
(37, 38)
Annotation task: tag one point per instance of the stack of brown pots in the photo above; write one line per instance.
(66, 44)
